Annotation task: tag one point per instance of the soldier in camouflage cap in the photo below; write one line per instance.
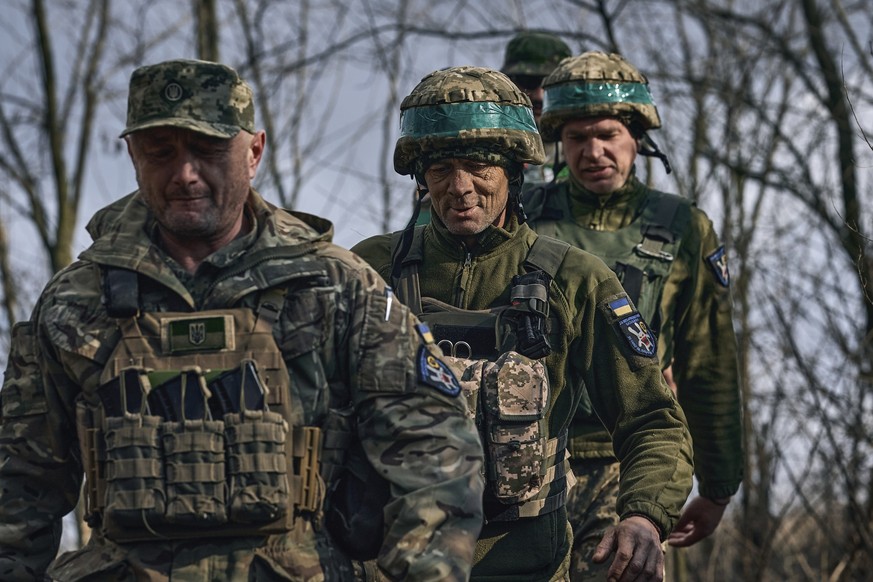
(670, 261)
(529, 58)
(213, 366)
(532, 329)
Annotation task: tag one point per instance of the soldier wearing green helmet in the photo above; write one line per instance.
(532, 328)
(672, 265)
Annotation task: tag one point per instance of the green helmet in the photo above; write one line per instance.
(594, 84)
(534, 53)
(466, 112)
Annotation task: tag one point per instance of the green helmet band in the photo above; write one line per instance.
(454, 119)
(575, 95)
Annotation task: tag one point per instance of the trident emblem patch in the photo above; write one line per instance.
(197, 333)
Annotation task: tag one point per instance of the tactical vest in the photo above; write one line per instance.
(641, 254)
(192, 438)
(497, 356)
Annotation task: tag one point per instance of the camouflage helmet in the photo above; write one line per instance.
(461, 111)
(593, 84)
(201, 96)
(534, 53)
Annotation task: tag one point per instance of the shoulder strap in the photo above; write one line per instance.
(121, 292)
(407, 287)
(546, 254)
(656, 230)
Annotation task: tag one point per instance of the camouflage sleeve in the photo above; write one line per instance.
(39, 473)
(629, 394)
(416, 433)
(705, 362)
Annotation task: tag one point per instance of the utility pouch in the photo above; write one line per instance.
(516, 395)
(257, 466)
(135, 496)
(194, 461)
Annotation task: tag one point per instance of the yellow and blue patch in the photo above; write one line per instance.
(434, 372)
(621, 307)
(424, 332)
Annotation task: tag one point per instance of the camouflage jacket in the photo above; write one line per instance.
(696, 334)
(345, 347)
(596, 365)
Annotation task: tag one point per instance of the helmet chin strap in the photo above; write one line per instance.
(649, 148)
(514, 201)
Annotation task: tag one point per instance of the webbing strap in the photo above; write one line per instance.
(547, 254)
(121, 292)
(631, 279)
(657, 232)
(270, 305)
(407, 287)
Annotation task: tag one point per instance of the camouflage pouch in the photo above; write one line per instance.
(469, 375)
(194, 462)
(257, 466)
(516, 394)
(135, 495)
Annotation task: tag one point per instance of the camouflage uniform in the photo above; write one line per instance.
(593, 363)
(667, 251)
(348, 372)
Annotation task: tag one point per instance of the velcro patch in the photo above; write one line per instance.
(718, 262)
(434, 372)
(638, 335)
(424, 332)
(197, 334)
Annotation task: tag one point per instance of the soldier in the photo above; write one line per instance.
(533, 329)
(674, 269)
(529, 58)
(212, 363)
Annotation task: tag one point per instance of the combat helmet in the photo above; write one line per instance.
(469, 112)
(534, 54)
(592, 84)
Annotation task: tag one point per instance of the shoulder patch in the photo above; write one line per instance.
(434, 372)
(717, 260)
(638, 335)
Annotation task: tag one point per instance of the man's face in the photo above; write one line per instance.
(195, 185)
(532, 86)
(467, 196)
(600, 152)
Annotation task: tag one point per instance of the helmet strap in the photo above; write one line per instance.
(649, 148)
(516, 181)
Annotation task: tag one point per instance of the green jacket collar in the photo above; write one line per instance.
(489, 240)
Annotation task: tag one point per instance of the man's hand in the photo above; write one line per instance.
(698, 520)
(637, 547)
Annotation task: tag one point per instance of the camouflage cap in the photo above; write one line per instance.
(534, 53)
(596, 84)
(466, 112)
(205, 97)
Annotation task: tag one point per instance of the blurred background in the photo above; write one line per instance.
(767, 107)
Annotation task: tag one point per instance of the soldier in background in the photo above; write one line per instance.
(212, 364)
(533, 329)
(672, 266)
(529, 58)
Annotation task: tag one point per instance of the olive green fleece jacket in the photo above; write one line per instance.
(594, 364)
(696, 333)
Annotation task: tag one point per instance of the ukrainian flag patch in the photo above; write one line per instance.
(621, 307)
